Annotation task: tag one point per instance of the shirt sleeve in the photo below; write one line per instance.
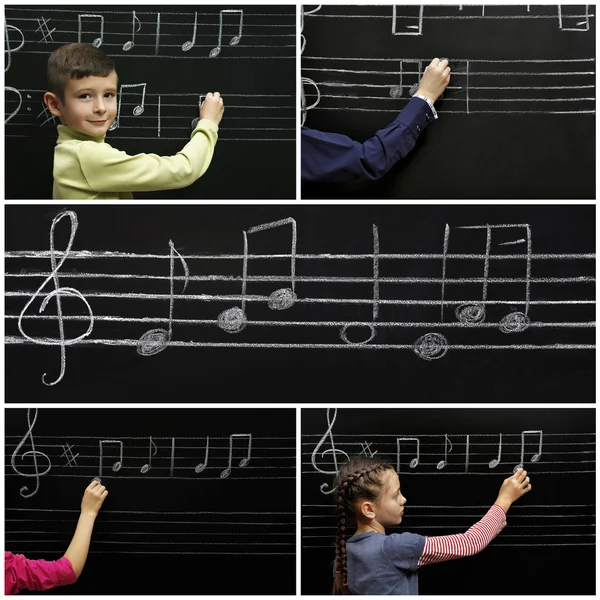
(334, 157)
(21, 573)
(404, 550)
(107, 169)
(448, 547)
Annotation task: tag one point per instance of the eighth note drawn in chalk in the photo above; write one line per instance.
(447, 443)
(536, 457)
(156, 340)
(235, 40)
(118, 463)
(97, 41)
(137, 111)
(131, 43)
(415, 461)
(145, 468)
(244, 461)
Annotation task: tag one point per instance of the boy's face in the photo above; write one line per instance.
(90, 104)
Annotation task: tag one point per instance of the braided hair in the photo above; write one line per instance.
(359, 478)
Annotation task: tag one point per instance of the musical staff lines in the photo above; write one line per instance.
(530, 301)
(148, 114)
(256, 33)
(255, 533)
(565, 86)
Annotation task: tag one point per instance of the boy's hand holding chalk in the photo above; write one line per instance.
(212, 108)
(435, 80)
(513, 488)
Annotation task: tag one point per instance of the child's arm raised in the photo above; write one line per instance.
(107, 169)
(448, 547)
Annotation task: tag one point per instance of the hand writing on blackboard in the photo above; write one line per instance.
(212, 108)
(435, 80)
(512, 489)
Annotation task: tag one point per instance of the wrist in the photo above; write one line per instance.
(431, 97)
(503, 503)
(88, 515)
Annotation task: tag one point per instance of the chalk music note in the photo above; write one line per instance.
(303, 108)
(34, 455)
(98, 41)
(145, 468)
(137, 111)
(201, 466)
(415, 461)
(58, 293)
(195, 121)
(326, 488)
(447, 443)
(127, 46)
(190, 44)
(156, 340)
(235, 40)
(244, 462)
(8, 49)
(536, 457)
(496, 461)
(118, 463)
(234, 320)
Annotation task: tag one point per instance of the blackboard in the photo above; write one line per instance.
(550, 533)
(174, 521)
(362, 299)
(256, 77)
(517, 121)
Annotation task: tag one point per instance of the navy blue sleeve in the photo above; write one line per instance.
(404, 550)
(336, 158)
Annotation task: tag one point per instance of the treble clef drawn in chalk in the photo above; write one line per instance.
(303, 12)
(58, 293)
(326, 488)
(33, 453)
(8, 49)
(156, 340)
(303, 108)
(236, 39)
(14, 112)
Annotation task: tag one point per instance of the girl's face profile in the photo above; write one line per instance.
(390, 505)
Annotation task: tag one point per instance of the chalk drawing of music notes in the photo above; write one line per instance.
(8, 50)
(138, 109)
(409, 77)
(201, 466)
(574, 17)
(447, 448)
(33, 453)
(415, 461)
(303, 107)
(97, 41)
(234, 320)
(16, 110)
(127, 46)
(408, 23)
(331, 417)
(187, 46)
(244, 461)
(116, 466)
(156, 340)
(496, 461)
(535, 457)
(235, 40)
(371, 327)
(151, 446)
(58, 293)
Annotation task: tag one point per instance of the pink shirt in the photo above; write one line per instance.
(20, 573)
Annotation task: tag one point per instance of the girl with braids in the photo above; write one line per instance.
(372, 563)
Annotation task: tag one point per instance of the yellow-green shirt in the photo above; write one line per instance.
(87, 168)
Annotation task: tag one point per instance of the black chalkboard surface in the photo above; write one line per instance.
(517, 121)
(550, 535)
(203, 501)
(167, 59)
(263, 303)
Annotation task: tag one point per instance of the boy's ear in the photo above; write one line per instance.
(53, 103)
(367, 509)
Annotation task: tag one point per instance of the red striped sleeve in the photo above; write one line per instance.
(448, 547)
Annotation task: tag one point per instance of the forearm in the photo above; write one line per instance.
(449, 547)
(80, 544)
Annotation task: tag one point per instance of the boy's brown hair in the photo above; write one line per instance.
(76, 61)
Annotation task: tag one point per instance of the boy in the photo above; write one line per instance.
(82, 83)
(21, 573)
(336, 158)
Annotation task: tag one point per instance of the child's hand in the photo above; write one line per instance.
(93, 497)
(513, 488)
(435, 80)
(212, 108)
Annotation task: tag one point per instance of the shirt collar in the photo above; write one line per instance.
(66, 133)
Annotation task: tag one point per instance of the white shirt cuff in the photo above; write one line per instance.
(435, 115)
